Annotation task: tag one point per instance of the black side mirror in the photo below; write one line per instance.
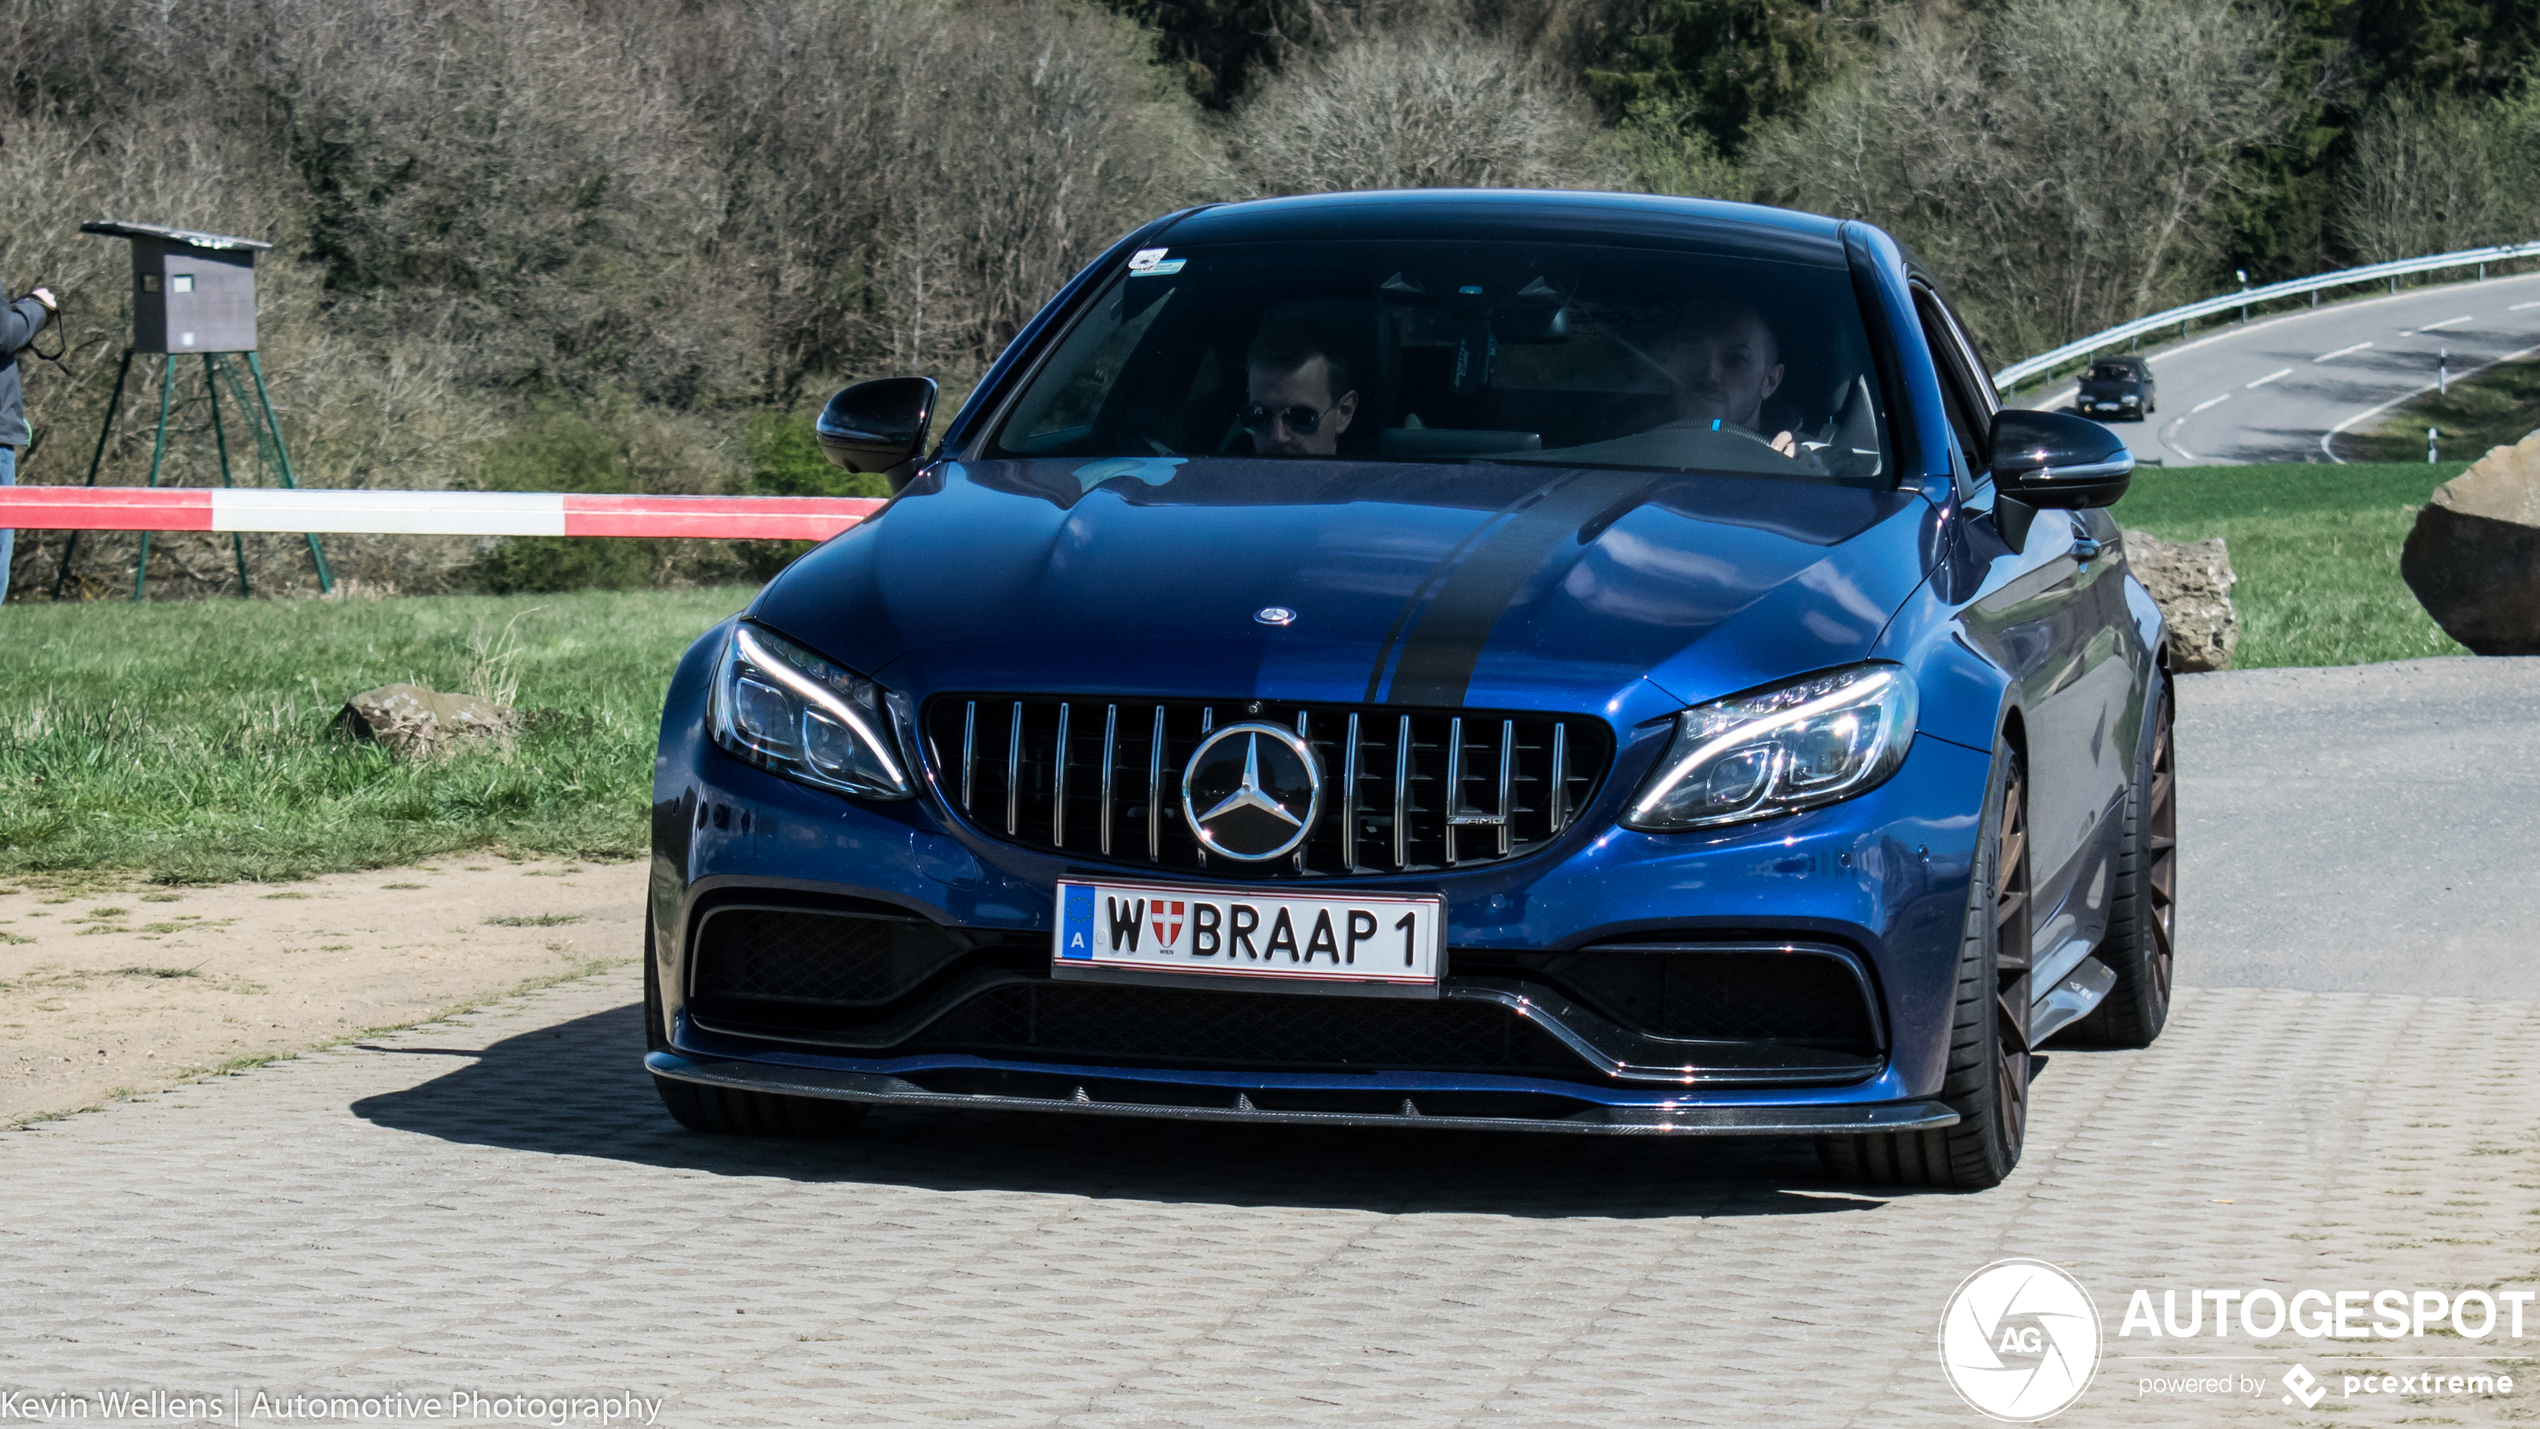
(2053, 460)
(878, 425)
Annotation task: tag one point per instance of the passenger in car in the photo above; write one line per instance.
(1726, 361)
(1298, 392)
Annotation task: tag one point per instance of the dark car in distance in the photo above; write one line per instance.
(1569, 663)
(2119, 387)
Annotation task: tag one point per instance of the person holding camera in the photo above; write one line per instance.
(20, 321)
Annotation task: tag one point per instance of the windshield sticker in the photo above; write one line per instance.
(1159, 269)
(1146, 258)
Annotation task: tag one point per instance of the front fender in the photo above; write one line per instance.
(1966, 698)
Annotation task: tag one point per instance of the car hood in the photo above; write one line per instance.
(1619, 593)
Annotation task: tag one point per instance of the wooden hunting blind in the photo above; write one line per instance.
(194, 292)
(191, 292)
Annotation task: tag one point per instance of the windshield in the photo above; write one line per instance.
(1553, 354)
(2112, 372)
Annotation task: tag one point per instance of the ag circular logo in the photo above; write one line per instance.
(1252, 792)
(2020, 1341)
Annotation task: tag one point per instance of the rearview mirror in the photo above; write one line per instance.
(2053, 460)
(878, 425)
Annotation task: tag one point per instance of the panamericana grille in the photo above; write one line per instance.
(1404, 790)
(1067, 1021)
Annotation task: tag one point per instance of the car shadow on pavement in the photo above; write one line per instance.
(576, 1089)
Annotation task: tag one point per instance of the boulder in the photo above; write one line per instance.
(2473, 557)
(416, 722)
(2191, 581)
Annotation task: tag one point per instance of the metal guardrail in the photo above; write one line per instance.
(2292, 287)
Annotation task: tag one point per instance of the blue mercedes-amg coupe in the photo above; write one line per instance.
(1546, 661)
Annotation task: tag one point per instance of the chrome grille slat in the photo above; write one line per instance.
(1058, 783)
(1304, 731)
(969, 748)
(1449, 782)
(1110, 747)
(1014, 771)
(1507, 771)
(1155, 791)
(1207, 722)
(1560, 777)
(1402, 795)
(1454, 783)
(1349, 799)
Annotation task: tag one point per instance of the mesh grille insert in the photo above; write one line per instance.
(827, 959)
(1057, 1020)
(1736, 994)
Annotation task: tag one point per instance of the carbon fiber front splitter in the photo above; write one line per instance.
(884, 1090)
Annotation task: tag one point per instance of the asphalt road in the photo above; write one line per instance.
(2368, 828)
(2280, 388)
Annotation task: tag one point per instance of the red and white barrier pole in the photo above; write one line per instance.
(428, 513)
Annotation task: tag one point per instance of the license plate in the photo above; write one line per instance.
(1367, 944)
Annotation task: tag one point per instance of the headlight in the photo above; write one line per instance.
(785, 709)
(1805, 744)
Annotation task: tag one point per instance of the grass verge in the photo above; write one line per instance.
(187, 742)
(2316, 549)
(2497, 408)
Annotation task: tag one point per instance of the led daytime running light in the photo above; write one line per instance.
(1882, 695)
(752, 656)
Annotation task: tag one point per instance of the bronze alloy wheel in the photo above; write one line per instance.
(2160, 876)
(2011, 964)
(1987, 1077)
(2141, 943)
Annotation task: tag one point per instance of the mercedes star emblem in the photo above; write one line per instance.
(1275, 615)
(1252, 791)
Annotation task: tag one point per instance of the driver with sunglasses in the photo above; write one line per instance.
(1298, 396)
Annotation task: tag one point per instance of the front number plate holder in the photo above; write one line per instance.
(1255, 940)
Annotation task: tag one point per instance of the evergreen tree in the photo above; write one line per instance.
(1725, 66)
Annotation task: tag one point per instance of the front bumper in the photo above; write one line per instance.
(1047, 1090)
(1882, 876)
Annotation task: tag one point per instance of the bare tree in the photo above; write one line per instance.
(2065, 165)
(2434, 174)
(1435, 107)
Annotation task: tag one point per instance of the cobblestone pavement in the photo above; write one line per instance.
(496, 1203)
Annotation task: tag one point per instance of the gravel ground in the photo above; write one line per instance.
(494, 1206)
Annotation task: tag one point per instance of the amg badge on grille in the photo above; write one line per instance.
(1252, 792)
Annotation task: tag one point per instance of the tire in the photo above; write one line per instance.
(1988, 1070)
(2143, 920)
(729, 1111)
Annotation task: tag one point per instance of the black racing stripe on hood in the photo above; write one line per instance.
(1445, 566)
(1445, 641)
